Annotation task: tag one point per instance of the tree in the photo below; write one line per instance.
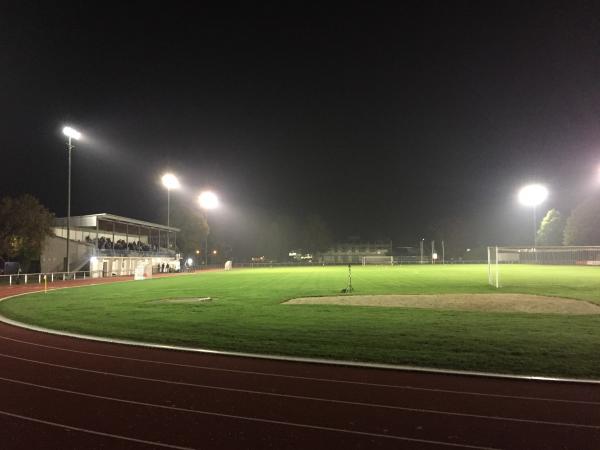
(583, 225)
(24, 225)
(551, 229)
(193, 229)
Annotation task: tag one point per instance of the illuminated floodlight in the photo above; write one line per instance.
(214, 252)
(208, 200)
(71, 133)
(170, 181)
(533, 195)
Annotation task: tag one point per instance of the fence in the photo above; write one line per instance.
(33, 278)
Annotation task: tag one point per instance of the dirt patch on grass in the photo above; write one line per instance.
(522, 303)
(184, 300)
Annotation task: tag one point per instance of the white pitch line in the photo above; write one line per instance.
(299, 397)
(88, 431)
(303, 378)
(249, 419)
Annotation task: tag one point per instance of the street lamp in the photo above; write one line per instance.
(169, 181)
(207, 200)
(533, 195)
(71, 133)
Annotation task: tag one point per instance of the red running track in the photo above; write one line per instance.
(60, 392)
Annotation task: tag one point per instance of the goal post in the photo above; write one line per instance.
(377, 260)
(556, 256)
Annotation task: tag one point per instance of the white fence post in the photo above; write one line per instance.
(25, 278)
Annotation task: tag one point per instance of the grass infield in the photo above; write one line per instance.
(245, 314)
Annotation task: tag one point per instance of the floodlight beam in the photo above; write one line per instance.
(533, 195)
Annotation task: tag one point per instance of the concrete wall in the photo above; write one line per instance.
(55, 250)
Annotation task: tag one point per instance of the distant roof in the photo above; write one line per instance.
(90, 220)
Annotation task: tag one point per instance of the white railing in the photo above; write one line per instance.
(39, 278)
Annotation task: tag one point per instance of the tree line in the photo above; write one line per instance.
(582, 227)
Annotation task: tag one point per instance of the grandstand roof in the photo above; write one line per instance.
(90, 220)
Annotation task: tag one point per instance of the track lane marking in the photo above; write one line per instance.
(250, 419)
(254, 392)
(398, 408)
(99, 433)
(297, 377)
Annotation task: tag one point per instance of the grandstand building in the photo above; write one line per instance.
(110, 245)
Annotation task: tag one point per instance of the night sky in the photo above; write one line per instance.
(384, 122)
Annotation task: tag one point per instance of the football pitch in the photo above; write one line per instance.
(243, 310)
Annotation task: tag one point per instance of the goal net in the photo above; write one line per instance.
(380, 260)
(499, 257)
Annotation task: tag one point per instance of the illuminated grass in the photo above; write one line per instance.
(245, 314)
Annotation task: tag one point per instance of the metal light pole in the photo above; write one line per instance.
(169, 181)
(206, 242)
(71, 133)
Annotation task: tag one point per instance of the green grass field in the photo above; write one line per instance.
(246, 315)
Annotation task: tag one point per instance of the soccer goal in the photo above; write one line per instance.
(557, 256)
(380, 260)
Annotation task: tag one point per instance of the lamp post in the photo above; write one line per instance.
(169, 181)
(71, 134)
(207, 200)
(533, 195)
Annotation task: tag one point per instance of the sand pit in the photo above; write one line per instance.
(522, 303)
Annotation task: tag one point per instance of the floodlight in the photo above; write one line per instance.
(208, 200)
(533, 195)
(170, 181)
(71, 133)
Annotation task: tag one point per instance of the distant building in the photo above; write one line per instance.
(109, 245)
(354, 252)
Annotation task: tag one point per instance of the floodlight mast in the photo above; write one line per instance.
(71, 133)
(533, 195)
(169, 181)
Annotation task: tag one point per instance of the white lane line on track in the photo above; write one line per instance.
(88, 431)
(303, 378)
(279, 395)
(397, 408)
(252, 419)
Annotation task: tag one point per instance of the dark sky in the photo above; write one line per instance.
(383, 121)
